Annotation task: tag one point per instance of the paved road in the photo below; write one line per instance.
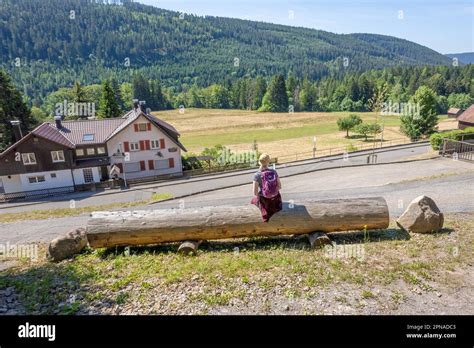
(449, 183)
(185, 186)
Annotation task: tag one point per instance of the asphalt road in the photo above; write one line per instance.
(450, 183)
(186, 186)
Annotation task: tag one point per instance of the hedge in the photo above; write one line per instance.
(436, 139)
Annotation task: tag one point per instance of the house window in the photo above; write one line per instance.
(90, 151)
(57, 156)
(134, 147)
(88, 175)
(132, 167)
(28, 158)
(155, 144)
(162, 164)
(53, 175)
(36, 179)
(142, 127)
(101, 150)
(88, 137)
(79, 152)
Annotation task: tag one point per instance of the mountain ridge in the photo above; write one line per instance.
(180, 50)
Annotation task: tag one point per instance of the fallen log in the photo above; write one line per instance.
(106, 229)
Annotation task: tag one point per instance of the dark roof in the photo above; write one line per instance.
(468, 115)
(71, 133)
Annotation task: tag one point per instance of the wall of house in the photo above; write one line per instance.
(20, 182)
(133, 169)
(12, 184)
(42, 149)
(79, 175)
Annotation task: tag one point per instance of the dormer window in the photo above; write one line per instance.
(88, 137)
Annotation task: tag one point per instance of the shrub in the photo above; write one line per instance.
(436, 139)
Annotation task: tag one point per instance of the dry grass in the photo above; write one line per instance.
(281, 134)
(141, 277)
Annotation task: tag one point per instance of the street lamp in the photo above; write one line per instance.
(17, 124)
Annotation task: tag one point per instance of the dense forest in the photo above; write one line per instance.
(51, 44)
(452, 86)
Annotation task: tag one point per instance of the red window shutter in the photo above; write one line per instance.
(147, 144)
(142, 145)
(151, 164)
(162, 143)
(171, 162)
(148, 126)
(126, 146)
(120, 166)
(142, 165)
(136, 127)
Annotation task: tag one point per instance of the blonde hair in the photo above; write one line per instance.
(264, 159)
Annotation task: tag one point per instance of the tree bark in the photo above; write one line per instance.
(318, 239)
(106, 229)
(189, 247)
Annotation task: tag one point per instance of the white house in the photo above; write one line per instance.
(63, 155)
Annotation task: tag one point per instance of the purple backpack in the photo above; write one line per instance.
(269, 183)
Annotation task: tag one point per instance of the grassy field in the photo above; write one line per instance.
(281, 134)
(259, 275)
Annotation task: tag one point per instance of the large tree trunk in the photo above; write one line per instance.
(106, 229)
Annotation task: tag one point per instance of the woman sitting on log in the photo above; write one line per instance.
(266, 189)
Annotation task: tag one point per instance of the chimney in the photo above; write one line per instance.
(57, 119)
(142, 106)
(148, 111)
(16, 130)
(135, 104)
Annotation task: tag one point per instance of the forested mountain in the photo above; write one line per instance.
(465, 58)
(47, 44)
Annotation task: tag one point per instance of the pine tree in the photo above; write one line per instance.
(78, 93)
(258, 92)
(12, 107)
(108, 105)
(275, 99)
(141, 88)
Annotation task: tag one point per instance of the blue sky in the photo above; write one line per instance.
(446, 26)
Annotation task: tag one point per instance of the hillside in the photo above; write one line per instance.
(46, 46)
(465, 58)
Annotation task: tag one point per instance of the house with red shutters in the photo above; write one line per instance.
(61, 156)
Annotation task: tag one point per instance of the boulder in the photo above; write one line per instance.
(421, 216)
(63, 247)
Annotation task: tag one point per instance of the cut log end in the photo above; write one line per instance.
(318, 240)
(189, 247)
